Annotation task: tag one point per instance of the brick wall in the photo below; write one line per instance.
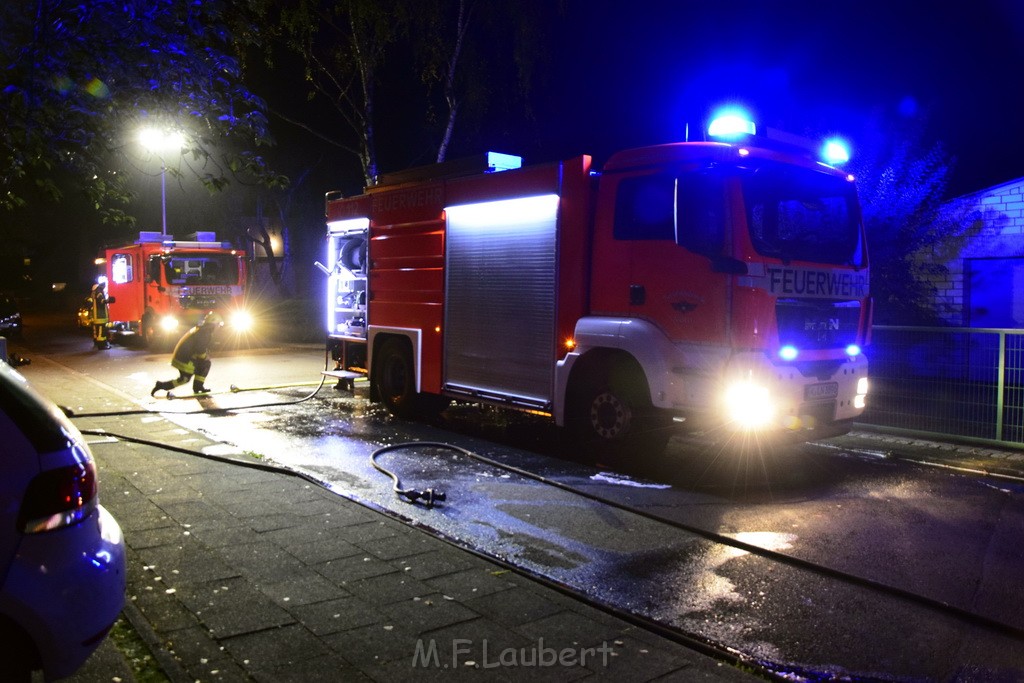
(986, 224)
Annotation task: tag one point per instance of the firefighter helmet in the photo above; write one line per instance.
(213, 318)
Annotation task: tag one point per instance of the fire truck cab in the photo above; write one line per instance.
(716, 284)
(160, 286)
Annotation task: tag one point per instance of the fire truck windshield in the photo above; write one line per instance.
(198, 268)
(802, 215)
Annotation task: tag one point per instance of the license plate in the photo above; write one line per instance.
(821, 392)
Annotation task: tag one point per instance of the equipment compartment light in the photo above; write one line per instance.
(731, 123)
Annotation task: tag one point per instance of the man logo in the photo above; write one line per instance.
(823, 325)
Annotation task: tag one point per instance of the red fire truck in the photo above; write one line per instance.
(717, 283)
(161, 286)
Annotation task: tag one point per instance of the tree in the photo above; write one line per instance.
(357, 52)
(82, 77)
(902, 180)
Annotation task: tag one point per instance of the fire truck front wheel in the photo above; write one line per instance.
(396, 383)
(611, 415)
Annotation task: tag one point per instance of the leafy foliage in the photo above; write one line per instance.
(902, 181)
(82, 77)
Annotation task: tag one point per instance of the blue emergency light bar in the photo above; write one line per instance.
(731, 124)
(734, 124)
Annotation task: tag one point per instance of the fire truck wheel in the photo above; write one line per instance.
(610, 416)
(396, 383)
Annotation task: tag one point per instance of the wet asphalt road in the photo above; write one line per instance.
(954, 539)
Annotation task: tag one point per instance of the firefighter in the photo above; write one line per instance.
(98, 300)
(192, 356)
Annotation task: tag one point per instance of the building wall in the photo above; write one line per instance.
(984, 225)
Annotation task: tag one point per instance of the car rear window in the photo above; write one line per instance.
(43, 424)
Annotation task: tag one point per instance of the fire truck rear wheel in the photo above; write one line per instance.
(396, 383)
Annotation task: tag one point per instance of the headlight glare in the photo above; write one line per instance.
(241, 321)
(749, 405)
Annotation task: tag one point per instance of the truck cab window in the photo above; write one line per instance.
(153, 269)
(702, 213)
(645, 208)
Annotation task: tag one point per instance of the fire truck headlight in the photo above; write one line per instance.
(169, 323)
(749, 405)
(861, 399)
(241, 321)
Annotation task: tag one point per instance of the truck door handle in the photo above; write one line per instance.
(683, 306)
(637, 295)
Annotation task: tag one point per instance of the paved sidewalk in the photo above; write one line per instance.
(1002, 461)
(238, 573)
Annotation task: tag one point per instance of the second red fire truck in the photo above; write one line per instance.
(720, 284)
(160, 286)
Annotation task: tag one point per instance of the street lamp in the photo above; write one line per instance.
(159, 141)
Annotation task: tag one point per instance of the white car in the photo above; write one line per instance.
(62, 555)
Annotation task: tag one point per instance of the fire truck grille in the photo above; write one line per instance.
(811, 324)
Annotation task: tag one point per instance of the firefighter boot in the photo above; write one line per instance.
(198, 388)
(161, 386)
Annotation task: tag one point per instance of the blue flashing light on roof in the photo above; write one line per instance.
(730, 124)
(496, 161)
(835, 152)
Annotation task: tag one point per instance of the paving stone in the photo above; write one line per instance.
(204, 658)
(627, 659)
(263, 562)
(354, 568)
(162, 608)
(399, 546)
(514, 607)
(373, 644)
(326, 550)
(329, 667)
(437, 562)
(280, 648)
(388, 588)
(152, 538)
(186, 562)
(233, 607)
(306, 586)
(428, 612)
(342, 614)
(569, 629)
(368, 531)
(469, 583)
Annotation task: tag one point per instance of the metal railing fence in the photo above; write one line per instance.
(960, 381)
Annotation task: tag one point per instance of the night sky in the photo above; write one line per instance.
(635, 72)
(625, 74)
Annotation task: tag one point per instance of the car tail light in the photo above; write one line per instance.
(58, 498)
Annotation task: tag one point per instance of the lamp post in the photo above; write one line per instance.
(159, 141)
